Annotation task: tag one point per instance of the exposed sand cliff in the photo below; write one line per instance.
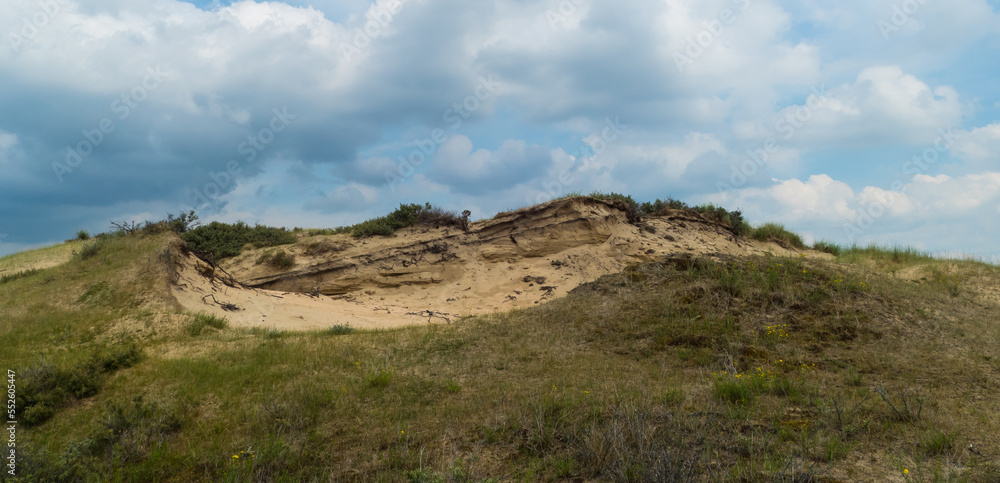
(427, 274)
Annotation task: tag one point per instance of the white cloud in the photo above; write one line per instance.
(884, 106)
(456, 164)
(980, 147)
(818, 197)
(660, 161)
(928, 211)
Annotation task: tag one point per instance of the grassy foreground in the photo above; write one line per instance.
(752, 369)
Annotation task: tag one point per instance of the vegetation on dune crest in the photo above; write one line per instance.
(408, 215)
(227, 240)
(777, 233)
(733, 219)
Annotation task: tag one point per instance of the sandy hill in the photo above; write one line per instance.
(426, 274)
(656, 349)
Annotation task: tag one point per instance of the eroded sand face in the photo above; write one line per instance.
(435, 275)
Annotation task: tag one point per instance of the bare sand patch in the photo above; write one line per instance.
(436, 275)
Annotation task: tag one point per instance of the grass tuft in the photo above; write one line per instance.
(828, 247)
(203, 320)
(278, 259)
(776, 232)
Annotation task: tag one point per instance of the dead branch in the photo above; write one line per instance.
(225, 305)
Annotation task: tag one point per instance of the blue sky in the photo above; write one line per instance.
(868, 120)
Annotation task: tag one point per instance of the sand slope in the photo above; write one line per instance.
(435, 275)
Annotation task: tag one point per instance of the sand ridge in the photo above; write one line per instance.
(436, 275)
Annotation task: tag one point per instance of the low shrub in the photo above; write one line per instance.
(408, 215)
(92, 249)
(224, 240)
(734, 219)
(625, 202)
(82, 235)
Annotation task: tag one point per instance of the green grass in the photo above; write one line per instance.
(339, 329)
(885, 257)
(828, 247)
(202, 320)
(38, 259)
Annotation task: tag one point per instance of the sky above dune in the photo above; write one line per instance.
(855, 121)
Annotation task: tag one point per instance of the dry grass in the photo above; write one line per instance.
(39, 259)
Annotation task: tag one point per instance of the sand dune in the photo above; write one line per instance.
(435, 275)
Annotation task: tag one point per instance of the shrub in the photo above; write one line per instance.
(733, 219)
(658, 206)
(82, 235)
(91, 250)
(408, 215)
(404, 216)
(224, 240)
(777, 233)
(624, 202)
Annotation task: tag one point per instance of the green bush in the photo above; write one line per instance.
(82, 235)
(777, 233)
(92, 249)
(655, 207)
(733, 219)
(404, 216)
(224, 240)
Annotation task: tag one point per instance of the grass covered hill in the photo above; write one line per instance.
(880, 365)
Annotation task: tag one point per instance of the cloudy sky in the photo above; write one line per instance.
(850, 121)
